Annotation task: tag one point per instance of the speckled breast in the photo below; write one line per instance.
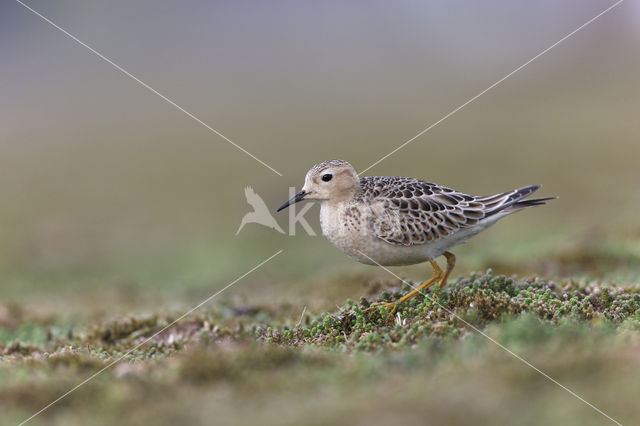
(347, 226)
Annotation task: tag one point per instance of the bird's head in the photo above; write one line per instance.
(332, 180)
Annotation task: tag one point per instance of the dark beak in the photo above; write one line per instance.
(298, 197)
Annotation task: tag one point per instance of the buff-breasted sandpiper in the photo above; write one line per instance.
(392, 221)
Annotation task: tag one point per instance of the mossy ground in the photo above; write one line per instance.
(243, 364)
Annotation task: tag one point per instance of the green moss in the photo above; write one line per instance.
(27, 332)
(477, 300)
(126, 328)
(431, 336)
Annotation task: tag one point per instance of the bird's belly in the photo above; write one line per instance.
(360, 244)
(374, 251)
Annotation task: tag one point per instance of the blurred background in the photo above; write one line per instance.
(111, 197)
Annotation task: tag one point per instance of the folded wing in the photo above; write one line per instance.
(412, 211)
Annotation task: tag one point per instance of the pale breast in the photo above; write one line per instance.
(348, 227)
(342, 225)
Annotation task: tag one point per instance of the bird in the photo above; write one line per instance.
(260, 213)
(392, 221)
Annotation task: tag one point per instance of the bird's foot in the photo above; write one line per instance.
(391, 306)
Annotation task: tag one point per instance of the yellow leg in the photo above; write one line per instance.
(437, 276)
(451, 263)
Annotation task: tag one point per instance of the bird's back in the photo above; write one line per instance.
(418, 212)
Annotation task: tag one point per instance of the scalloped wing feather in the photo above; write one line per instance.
(411, 211)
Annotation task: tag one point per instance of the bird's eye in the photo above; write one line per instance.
(327, 177)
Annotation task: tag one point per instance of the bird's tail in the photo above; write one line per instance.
(509, 202)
